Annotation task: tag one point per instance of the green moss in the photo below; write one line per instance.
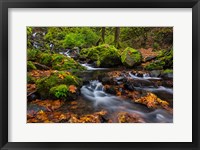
(164, 61)
(130, 57)
(168, 71)
(30, 66)
(58, 78)
(104, 55)
(60, 91)
(157, 65)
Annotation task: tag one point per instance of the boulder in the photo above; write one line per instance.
(59, 85)
(131, 57)
(103, 55)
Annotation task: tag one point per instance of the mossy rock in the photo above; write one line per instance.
(56, 61)
(168, 74)
(63, 63)
(131, 57)
(48, 86)
(30, 66)
(103, 55)
(164, 61)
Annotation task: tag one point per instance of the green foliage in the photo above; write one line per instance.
(30, 66)
(29, 31)
(74, 39)
(168, 59)
(164, 35)
(157, 65)
(45, 58)
(104, 55)
(83, 37)
(58, 78)
(130, 57)
(59, 91)
(32, 54)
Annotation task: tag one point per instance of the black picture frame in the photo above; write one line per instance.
(6, 4)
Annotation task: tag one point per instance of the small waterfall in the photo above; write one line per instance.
(67, 53)
(90, 67)
(146, 76)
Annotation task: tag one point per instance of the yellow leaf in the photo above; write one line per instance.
(61, 76)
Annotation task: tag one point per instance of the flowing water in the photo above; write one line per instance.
(93, 95)
(94, 92)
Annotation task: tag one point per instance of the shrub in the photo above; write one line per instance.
(59, 91)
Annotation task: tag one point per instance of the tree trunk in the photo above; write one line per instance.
(117, 33)
(103, 30)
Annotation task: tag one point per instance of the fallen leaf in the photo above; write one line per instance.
(72, 89)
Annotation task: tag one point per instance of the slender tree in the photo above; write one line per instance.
(103, 30)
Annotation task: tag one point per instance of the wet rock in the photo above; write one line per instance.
(155, 73)
(33, 96)
(107, 80)
(111, 90)
(149, 58)
(167, 83)
(129, 85)
(167, 75)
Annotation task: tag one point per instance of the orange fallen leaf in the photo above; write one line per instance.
(72, 89)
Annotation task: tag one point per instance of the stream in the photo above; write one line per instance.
(93, 97)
